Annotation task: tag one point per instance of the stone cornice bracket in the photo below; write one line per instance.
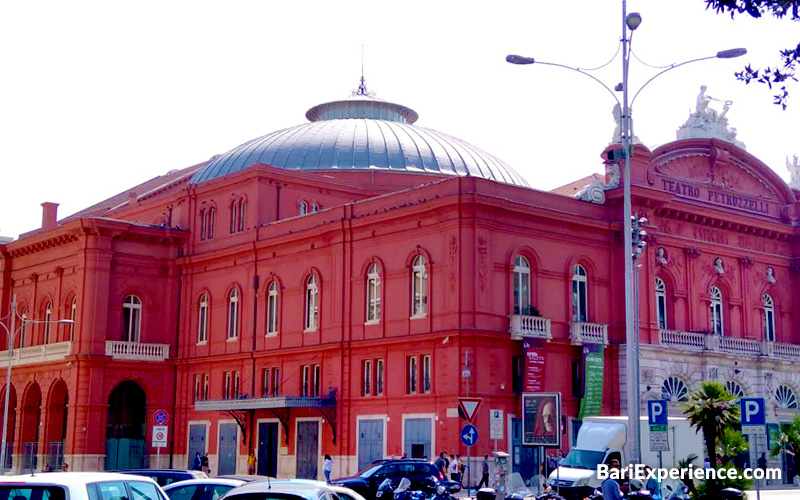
(59, 271)
(746, 261)
(794, 267)
(34, 277)
(691, 252)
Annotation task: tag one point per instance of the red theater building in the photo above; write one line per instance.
(321, 290)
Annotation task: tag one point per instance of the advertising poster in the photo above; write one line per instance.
(592, 401)
(533, 376)
(541, 419)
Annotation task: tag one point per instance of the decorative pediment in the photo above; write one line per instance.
(713, 172)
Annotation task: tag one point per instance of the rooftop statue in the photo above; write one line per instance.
(794, 172)
(707, 122)
(617, 139)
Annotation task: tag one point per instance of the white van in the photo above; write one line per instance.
(602, 438)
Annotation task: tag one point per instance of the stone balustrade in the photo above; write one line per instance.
(37, 354)
(529, 326)
(137, 351)
(699, 342)
(588, 333)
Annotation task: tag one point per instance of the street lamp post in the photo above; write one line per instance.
(11, 334)
(629, 23)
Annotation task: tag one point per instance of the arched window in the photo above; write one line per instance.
(661, 303)
(769, 318)
(242, 204)
(580, 303)
(315, 207)
(303, 208)
(419, 287)
(131, 319)
(312, 305)
(717, 322)
(272, 308)
(48, 317)
(73, 313)
(522, 286)
(234, 215)
(673, 389)
(373, 294)
(23, 326)
(202, 319)
(233, 313)
(785, 397)
(212, 217)
(203, 222)
(735, 389)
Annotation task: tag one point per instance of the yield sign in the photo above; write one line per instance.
(469, 406)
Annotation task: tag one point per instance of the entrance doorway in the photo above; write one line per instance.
(307, 446)
(370, 441)
(125, 443)
(268, 449)
(197, 442)
(417, 432)
(227, 449)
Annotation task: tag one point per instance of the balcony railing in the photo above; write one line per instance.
(529, 326)
(137, 351)
(37, 354)
(588, 333)
(699, 342)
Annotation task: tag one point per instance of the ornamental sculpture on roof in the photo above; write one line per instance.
(794, 172)
(708, 123)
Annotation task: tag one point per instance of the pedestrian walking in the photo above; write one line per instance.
(453, 467)
(441, 464)
(484, 472)
(197, 464)
(327, 468)
(204, 463)
(251, 463)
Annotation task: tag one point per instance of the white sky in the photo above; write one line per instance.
(96, 97)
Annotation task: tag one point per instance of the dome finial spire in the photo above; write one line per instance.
(362, 89)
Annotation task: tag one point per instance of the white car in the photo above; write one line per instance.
(79, 486)
(201, 489)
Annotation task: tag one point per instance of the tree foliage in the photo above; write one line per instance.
(777, 75)
(731, 443)
(712, 409)
(788, 439)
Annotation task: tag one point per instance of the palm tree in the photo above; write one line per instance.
(731, 442)
(789, 438)
(712, 409)
(683, 464)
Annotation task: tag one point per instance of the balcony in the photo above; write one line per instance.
(588, 333)
(529, 326)
(37, 354)
(136, 351)
(701, 342)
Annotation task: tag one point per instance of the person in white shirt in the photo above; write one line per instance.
(453, 468)
(327, 467)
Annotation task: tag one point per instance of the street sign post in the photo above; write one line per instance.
(469, 435)
(495, 424)
(161, 417)
(754, 421)
(658, 418)
(469, 406)
(160, 433)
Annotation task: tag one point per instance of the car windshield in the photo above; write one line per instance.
(583, 459)
(29, 492)
(369, 470)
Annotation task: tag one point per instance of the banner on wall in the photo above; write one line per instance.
(592, 401)
(533, 373)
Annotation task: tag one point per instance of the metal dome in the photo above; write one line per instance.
(360, 134)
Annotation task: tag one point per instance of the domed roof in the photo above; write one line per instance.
(362, 133)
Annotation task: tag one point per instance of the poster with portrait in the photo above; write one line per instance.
(541, 419)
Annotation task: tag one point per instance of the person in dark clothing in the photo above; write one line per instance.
(198, 462)
(762, 462)
(484, 472)
(441, 464)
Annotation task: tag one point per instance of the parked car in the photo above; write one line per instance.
(79, 486)
(201, 489)
(283, 490)
(166, 476)
(247, 478)
(368, 479)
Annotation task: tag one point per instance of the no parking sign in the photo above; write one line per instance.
(160, 433)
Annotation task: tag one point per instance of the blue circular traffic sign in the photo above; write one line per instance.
(469, 435)
(161, 417)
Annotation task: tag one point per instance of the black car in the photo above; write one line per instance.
(368, 479)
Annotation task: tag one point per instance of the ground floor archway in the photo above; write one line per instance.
(125, 430)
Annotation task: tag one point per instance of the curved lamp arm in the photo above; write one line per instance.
(522, 60)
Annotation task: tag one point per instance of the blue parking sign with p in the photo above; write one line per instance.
(657, 412)
(754, 415)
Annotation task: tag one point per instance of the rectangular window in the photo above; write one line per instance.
(236, 392)
(426, 374)
(205, 387)
(265, 383)
(304, 388)
(197, 387)
(203, 221)
(227, 385)
(517, 369)
(577, 386)
(411, 375)
(272, 310)
(276, 381)
(317, 386)
(378, 377)
(366, 377)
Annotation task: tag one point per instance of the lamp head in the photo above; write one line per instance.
(65, 322)
(731, 53)
(633, 20)
(515, 59)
